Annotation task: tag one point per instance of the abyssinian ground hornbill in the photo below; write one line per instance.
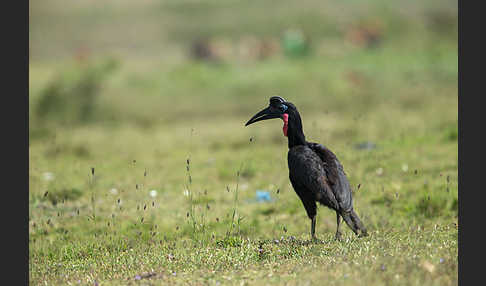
(314, 171)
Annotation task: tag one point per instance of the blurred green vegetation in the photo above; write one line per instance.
(353, 50)
(134, 89)
(70, 98)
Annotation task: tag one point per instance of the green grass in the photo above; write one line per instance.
(71, 247)
(162, 121)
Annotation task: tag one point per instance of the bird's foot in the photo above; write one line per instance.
(314, 239)
(338, 236)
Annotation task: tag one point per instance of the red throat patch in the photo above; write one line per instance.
(285, 118)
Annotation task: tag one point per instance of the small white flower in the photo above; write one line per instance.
(153, 193)
(186, 192)
(113, 191)
(379, 171)
(404, 167)
(48, 176)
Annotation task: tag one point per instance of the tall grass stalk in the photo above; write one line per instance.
(190, 195)
(235, 214)
(188, 188)
(91, 181)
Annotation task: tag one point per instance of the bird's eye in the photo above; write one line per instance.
(283, 107)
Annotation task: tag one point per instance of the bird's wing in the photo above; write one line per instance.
(335, 174)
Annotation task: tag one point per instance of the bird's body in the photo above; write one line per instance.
(316, 174)
(310, 178)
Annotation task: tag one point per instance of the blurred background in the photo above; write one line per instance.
(142, 62)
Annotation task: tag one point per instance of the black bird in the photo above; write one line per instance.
(314, 171)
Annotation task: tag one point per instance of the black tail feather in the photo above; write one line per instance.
(353, 221)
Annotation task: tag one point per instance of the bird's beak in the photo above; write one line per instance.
(265, 114)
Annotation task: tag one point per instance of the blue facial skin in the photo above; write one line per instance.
(284, 107)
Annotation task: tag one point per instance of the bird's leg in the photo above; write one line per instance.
(313, 228)
(338, 233)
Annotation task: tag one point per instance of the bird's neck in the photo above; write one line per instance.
(295, 132)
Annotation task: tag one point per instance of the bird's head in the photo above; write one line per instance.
(278, 108)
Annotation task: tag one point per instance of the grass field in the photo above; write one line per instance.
(142, 172)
